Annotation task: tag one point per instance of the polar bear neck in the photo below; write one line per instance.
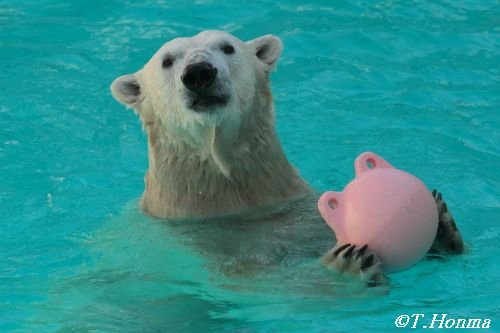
(240, 173)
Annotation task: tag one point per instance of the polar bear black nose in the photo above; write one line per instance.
(199, 76)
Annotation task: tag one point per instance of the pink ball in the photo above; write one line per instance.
(388, 209)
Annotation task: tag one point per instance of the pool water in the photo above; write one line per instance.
(418, 82)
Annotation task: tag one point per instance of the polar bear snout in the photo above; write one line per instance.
(205, 89)
(199, 76)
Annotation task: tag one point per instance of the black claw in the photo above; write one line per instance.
(340, 249)
(454, 225)
(434, 192)
(367, 262)
(361, 251)
(439, 196)
(349, 251)
(441, 230)
(445, 208)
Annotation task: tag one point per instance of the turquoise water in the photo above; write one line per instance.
(416, 81)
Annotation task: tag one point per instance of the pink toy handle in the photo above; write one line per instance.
(370, 161)
(329, 205)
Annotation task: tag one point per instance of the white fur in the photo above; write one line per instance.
(222, 162)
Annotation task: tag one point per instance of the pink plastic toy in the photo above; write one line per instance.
(388, 209)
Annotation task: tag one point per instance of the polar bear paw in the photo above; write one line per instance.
(357, 261)
(448, 237)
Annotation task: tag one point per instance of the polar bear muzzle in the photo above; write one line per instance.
(203, 92)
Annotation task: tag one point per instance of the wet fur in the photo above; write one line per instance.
(184, 182)
(231, 162)
(219, 162)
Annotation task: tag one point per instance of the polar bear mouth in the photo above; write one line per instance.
(205, 103)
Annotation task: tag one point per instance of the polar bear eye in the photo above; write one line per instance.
(167, 62)
(228, 49)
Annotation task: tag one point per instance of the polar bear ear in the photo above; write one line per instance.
(126, 90)
(268, 49)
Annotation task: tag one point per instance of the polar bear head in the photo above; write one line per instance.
(205, 81)
(207, 108)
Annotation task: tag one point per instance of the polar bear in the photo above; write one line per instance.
(207, 108)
